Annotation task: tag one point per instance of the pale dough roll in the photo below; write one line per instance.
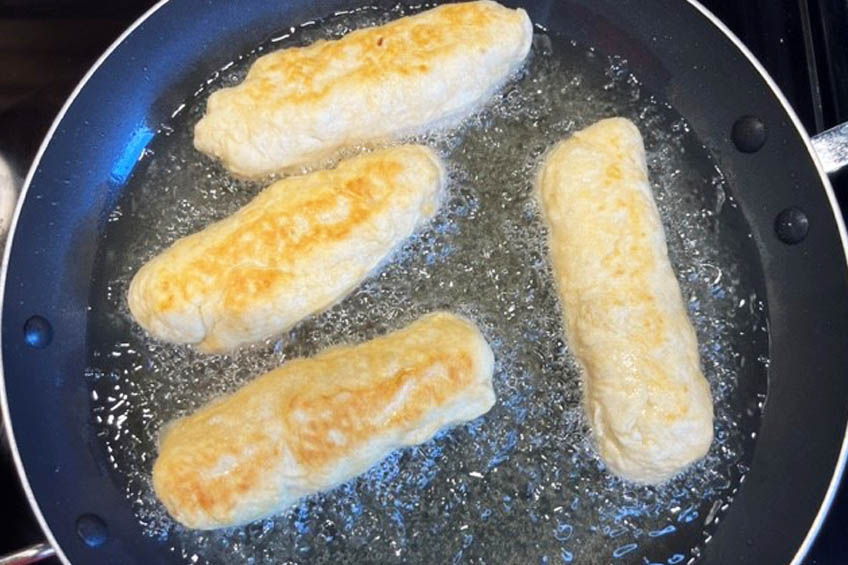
(299, 104)
(298, 247)
(645, 395)
(314, 423)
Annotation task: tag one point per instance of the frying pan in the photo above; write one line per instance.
(676, 48)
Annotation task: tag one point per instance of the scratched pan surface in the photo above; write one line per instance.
(120, 181)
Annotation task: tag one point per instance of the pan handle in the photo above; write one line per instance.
(29, 554)
(832, 148)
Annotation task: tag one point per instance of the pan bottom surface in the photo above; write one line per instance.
(522, 483)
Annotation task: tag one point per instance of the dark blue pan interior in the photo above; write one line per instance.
(671, 46)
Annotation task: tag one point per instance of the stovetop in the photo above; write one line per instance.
(47, 45)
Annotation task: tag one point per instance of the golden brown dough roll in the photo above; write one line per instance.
(298, 247)
(647, 400)
(315, 423)
(299, 104)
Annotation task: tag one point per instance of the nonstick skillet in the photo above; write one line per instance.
(676, 49)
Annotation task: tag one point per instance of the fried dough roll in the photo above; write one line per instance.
(300, 104)
(297, 248)
(315, 423)
(645, 395)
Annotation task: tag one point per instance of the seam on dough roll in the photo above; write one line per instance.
(297, 248)
(645, 395)
(300, 104)
(314, 423)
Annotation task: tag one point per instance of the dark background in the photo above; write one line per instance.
(47, 45)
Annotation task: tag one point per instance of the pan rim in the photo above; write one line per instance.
(839, 468)
(4, 269)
